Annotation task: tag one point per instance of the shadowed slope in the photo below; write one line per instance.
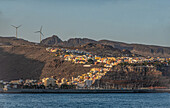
(23, 59)
(14, 66)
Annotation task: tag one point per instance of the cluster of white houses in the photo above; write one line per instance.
(82, 81)
(83, 57)
(18, 84)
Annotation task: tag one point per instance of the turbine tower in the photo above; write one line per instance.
(40, 33)
(16, 27)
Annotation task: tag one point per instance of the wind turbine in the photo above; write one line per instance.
(40, 33)
(16, 27)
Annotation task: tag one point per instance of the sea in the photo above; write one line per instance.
(110, 100)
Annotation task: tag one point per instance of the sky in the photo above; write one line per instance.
(130, 21)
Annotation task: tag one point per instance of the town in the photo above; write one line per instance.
(99, 66)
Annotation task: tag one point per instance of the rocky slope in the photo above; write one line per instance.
(73, 42)
(54, 40)
(144, 50)
(135, 77)
(103, 50)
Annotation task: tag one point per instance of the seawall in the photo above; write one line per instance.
(86, 91)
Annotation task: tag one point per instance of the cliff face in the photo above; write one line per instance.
(135, 77)
(144, 50)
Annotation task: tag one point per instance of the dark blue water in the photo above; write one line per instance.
(150, 100)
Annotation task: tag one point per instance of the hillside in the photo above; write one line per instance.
(23, 59)
(103, 50)
(144, 50)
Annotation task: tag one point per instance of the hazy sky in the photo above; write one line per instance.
(132, 21)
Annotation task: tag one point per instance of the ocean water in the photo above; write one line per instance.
(112, 100)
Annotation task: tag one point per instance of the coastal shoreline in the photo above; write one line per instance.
(84, 91)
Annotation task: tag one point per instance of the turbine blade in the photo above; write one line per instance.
(41, 28)
(13, 26)
(42, 33)
(37, 32)
(19, 26)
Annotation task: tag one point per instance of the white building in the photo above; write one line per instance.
(49, 82)
(88, 83)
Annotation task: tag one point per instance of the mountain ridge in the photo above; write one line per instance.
(140, 49)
